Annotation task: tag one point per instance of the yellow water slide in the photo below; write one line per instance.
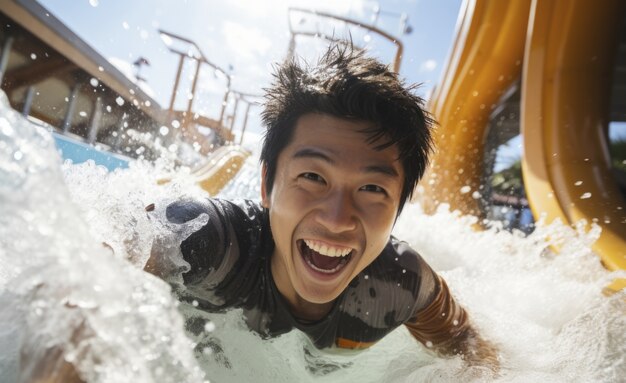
(486, 59)
(564, 52)
(220, 168)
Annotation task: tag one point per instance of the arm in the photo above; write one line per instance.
(184, 239)
(445, 327)
(204, 246)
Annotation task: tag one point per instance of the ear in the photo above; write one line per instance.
(264, 197)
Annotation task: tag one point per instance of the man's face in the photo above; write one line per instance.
(332, 206)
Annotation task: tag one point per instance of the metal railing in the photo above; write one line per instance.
(319, 34)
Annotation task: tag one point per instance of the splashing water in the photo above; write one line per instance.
(65, 298)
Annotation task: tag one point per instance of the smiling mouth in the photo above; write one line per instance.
(323, 258)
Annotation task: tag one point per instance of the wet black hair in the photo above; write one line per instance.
(345, 83)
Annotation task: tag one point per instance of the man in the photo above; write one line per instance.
(346, 144)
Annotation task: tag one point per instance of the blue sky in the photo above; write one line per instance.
(245, 37)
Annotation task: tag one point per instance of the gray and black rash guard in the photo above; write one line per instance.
(230, 268)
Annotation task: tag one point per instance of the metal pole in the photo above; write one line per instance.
(69, 113)
(177, 81)
(28, 102)
(4, 59)
(245, 123)
(224, 102)
(232, 121)
(193, 87)
(94, 125)
(292, 47)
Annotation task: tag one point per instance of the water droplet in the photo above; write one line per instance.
(366, 277)
(119, 100)
(82, 113)
(94, 3)
(466, 189)
(164, 130)
(175, 124)
(578, 183)
(429, 344)
(33, 56)
(194, 303)
(18, 155)
(209, 326)
(585, 196)
(94, 82)
(125, 25)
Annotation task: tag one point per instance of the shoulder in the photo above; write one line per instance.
(401, 269)
(399, 261)
(187, 208)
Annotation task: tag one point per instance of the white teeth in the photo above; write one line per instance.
(329, 251)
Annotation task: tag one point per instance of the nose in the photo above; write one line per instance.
(337, 212)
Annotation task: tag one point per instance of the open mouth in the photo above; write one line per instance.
(323, 258)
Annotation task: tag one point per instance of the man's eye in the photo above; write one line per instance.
(373, 189)
(312, 177)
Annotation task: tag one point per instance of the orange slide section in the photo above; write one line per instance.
(565, 96)
(485, 60)
(564, 52)
(222, 166)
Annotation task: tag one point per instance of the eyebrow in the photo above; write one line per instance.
(316, 154)
(312, 153)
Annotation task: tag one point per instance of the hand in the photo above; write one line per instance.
(479, 352)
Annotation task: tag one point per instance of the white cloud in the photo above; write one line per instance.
(269, 8)
(247, 42)
(428, 66)
(252, 141)
(259, 8)
(128, 70)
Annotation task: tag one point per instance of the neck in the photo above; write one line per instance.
(299, 307)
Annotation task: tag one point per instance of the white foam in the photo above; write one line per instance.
(61, 289)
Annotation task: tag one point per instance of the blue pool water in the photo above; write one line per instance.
(79, 152)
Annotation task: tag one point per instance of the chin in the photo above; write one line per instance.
(318, 296)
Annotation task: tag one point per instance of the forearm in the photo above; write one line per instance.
(471, 347)
(444, 327)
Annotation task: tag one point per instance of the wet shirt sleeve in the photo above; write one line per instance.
(206, 248)
(441, 319)
(216, 251)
